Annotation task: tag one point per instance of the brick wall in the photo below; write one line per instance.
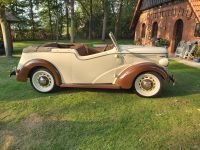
(166, 17)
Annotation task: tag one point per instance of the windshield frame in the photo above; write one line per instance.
(112, 37)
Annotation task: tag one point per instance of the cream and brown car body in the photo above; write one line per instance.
(110, 66)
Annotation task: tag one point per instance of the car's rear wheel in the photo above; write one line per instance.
(42, 80)
(148, 84)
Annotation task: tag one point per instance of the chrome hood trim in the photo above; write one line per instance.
(142, 49)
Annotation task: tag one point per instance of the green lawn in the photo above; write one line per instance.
(99, 119)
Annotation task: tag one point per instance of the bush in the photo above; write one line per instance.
(197, 52)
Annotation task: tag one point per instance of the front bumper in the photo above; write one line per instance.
(13, 72)
(172, 79)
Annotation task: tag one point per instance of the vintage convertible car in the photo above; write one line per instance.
(109, 67)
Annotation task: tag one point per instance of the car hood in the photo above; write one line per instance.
(142, 49)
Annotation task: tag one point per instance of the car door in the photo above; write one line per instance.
(96, 69)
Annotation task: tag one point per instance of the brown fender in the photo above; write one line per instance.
(23, 74)
(128, 76)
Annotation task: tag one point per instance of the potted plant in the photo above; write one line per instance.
(162, 42)
(197, 54)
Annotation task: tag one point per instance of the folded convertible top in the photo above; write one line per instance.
(48, 47)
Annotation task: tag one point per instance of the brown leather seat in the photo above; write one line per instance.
(101, 49)
(82, 50)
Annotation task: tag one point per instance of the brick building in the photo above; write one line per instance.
(174, 20)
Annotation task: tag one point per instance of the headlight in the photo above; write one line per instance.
(164, 62)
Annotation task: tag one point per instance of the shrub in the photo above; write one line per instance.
(197, 51)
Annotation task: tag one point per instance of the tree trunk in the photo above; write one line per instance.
(7, 39)
(117, 23)
(50, 19)
(72, 21)
(57, 15)
(104, 20)
(67, 17)
(32, 19)
(57, 29)
(90, 21)
(61, 24)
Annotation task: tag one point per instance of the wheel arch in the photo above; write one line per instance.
(30, 66)
(126, 79)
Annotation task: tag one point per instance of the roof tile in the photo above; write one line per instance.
(195, 4)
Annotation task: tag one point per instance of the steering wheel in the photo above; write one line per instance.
(105, 48)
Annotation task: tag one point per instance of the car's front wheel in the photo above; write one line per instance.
(148, 84)
(42, 80)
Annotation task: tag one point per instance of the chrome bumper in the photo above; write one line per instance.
(13, 72)
(172, 79)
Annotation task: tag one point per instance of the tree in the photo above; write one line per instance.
(32, 22)
(67, 17)
(118, 17)
(50, 17)
(90, 21)
(89, 14)
(7, 39)
(45, 19)
(105, 15)
(72, 21)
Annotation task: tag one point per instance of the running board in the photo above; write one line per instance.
(90, 86)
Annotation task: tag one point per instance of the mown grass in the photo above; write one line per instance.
(99, 119)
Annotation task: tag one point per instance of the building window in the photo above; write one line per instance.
(143, 33)
(197, 30)
(154, 33)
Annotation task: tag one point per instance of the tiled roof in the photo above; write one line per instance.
(195, 4)
(146, 4)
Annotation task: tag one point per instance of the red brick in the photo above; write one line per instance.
(166, 16)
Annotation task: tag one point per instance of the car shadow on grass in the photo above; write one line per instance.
(168, 90)
(27, 93)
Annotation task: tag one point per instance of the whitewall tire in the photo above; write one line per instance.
(148, 84)
(42, 81)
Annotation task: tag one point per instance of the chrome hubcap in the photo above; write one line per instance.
(147, 84)
(43, 81)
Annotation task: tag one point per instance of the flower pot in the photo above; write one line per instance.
(197, 60)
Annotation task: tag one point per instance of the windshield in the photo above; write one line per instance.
(114, 41)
